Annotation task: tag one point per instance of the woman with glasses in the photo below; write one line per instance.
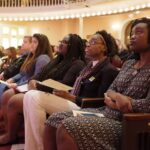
(130, 92)
(64, 68)
(93, 81)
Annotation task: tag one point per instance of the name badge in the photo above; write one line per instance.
(92, 79)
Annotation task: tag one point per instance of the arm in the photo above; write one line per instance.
(65, 95)
(118, 101)
(114, 84)
(72, 73)
(2, 76)
(141, 105)
(14, 68)
(69, 79)
(16, 78)
(41, 61)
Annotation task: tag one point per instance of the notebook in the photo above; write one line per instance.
(84, 113)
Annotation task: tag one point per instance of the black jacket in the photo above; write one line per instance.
(68, 76)
(97, 84)
(14, 67)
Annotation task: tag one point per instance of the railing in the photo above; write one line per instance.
(36, 3)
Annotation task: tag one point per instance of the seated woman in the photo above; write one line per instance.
(11, 54)
(130, 92)
(15, 66)
(40, 54)
(64, 68)
(93, 81)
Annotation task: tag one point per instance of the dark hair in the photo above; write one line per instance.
(142, 20)
(11, 50)
(43, 47)
(135, 22)
(60, 64)
(75, 47)
(84, 41)
(112, 48)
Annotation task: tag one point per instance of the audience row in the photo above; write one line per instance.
(125, 92)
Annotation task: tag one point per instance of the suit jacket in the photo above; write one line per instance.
(97, 84)
(14, 67)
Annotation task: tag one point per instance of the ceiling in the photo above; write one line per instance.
(72, 10)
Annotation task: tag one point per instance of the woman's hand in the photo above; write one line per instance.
(32, 84)
(122, 102)
(12, 85)
(64, 94)
(10, 80)
(109, 102)
(2, 76)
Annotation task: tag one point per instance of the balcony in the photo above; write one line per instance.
(38, 3)
(29, 10)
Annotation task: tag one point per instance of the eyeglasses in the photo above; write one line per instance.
(63, 42)
(93, 42)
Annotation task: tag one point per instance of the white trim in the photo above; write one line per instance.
(71, 11)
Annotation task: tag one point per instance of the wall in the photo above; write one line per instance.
(93, 24)
(56, 29)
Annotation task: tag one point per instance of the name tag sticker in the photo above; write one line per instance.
(92, 79)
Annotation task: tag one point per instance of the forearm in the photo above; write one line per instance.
(141, 105)
(17, 77)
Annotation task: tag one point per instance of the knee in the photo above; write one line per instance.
(30, 98)
(6, 96)
(50, 132)
(61, 133)
(64, 139)
(12, 104)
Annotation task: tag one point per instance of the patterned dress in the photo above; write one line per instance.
(104, 133)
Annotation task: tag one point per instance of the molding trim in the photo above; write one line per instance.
(71, 11)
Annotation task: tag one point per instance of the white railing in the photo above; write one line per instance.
(36, 3)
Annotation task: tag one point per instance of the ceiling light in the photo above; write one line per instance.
(116, 26)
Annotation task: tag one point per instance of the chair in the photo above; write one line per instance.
(92, 102)
(136, 131)
(136, 127)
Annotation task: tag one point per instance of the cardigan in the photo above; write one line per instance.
(68, 77)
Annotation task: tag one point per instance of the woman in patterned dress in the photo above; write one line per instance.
(130, 92)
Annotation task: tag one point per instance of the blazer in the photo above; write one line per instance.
(98, 83)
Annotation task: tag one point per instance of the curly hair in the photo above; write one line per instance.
(59, 65)
(112, 48)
